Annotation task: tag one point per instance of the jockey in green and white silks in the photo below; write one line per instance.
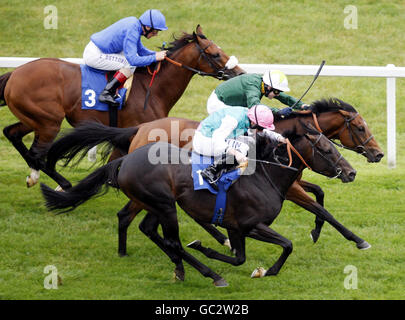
(222, 135)
(247, 90)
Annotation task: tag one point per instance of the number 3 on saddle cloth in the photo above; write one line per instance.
(93, 83)
(199, 163)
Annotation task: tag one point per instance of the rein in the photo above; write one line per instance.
(219, 71)
(347, 126)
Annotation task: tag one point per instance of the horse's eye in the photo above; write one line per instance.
(361, 128)
(216, 55)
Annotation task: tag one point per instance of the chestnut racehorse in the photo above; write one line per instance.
(44, 92)
(335, 118)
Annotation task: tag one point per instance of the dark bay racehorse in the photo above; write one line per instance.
(44, 92)
(335, 118)
(254, 201)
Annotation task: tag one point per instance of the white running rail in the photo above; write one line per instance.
(390, 72)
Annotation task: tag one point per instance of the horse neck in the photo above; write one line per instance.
(331, 123)
(173, 80)
(282, 178)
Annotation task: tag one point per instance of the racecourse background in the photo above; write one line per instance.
(82, 244)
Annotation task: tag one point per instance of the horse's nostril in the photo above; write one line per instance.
(352, 175)
(379, 156)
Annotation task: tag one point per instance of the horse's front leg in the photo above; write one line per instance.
(264, 233)
(238, 243)
(297, 194)
(219, 236)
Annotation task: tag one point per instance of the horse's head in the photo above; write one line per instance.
(351, 128)
(316, 149)
(205, 57)
(325, 159)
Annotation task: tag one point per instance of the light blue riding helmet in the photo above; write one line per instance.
(154, 19)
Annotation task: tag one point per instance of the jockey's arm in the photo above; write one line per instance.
(134, 52)
(289, 101)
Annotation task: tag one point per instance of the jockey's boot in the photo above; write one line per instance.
(213, 172)
(108, 95)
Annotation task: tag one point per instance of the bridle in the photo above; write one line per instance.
(360, 148)
(219, 71)
(332, 163)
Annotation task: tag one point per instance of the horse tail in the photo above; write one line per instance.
(3, 81)
(96, 183)
(86, 136)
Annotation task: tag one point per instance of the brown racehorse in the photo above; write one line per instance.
(44, 92)
(335, 118)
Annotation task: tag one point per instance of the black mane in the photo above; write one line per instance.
(331, 104)
(323, 105)
(179, 43)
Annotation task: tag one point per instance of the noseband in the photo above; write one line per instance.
(333, 164)
(360, 148)
(219, 72)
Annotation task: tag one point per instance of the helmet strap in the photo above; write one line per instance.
(146, 32)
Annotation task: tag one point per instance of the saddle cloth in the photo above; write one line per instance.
(199, 163)
(93, 83)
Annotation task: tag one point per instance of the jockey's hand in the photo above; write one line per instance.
(240, 157)
(282, 139)
(285, 112)
(161, 55)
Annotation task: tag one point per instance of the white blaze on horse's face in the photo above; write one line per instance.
(232, 62)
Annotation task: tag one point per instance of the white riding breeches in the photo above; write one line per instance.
(208, 146)
(214, 104)
(95, 58)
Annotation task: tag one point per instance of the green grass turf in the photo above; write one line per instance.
(83, 244)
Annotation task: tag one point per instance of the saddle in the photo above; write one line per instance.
(93, 83)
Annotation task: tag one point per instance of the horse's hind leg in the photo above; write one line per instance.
(15, 133)
(171, 243)
(125, 217)
(149, 227)
(34, 157)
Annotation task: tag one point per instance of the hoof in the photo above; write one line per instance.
(30, 182)
(221, 283)
(227, 243)
(195, 244)
(364, 245)
(122, 255)
(179, 275)
(314, 236)
(59, 189)
(258, 273)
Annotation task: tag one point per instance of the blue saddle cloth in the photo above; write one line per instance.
(93, 83)
(199, 163)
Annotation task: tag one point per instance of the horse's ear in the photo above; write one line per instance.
(198, 30)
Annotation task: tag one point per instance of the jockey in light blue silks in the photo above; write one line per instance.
(119, 47)
(216, 136)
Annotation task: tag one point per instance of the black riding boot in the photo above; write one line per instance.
(213, 172)
(108, 94)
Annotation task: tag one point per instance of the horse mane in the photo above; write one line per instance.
(320, 106)
(179, 43)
